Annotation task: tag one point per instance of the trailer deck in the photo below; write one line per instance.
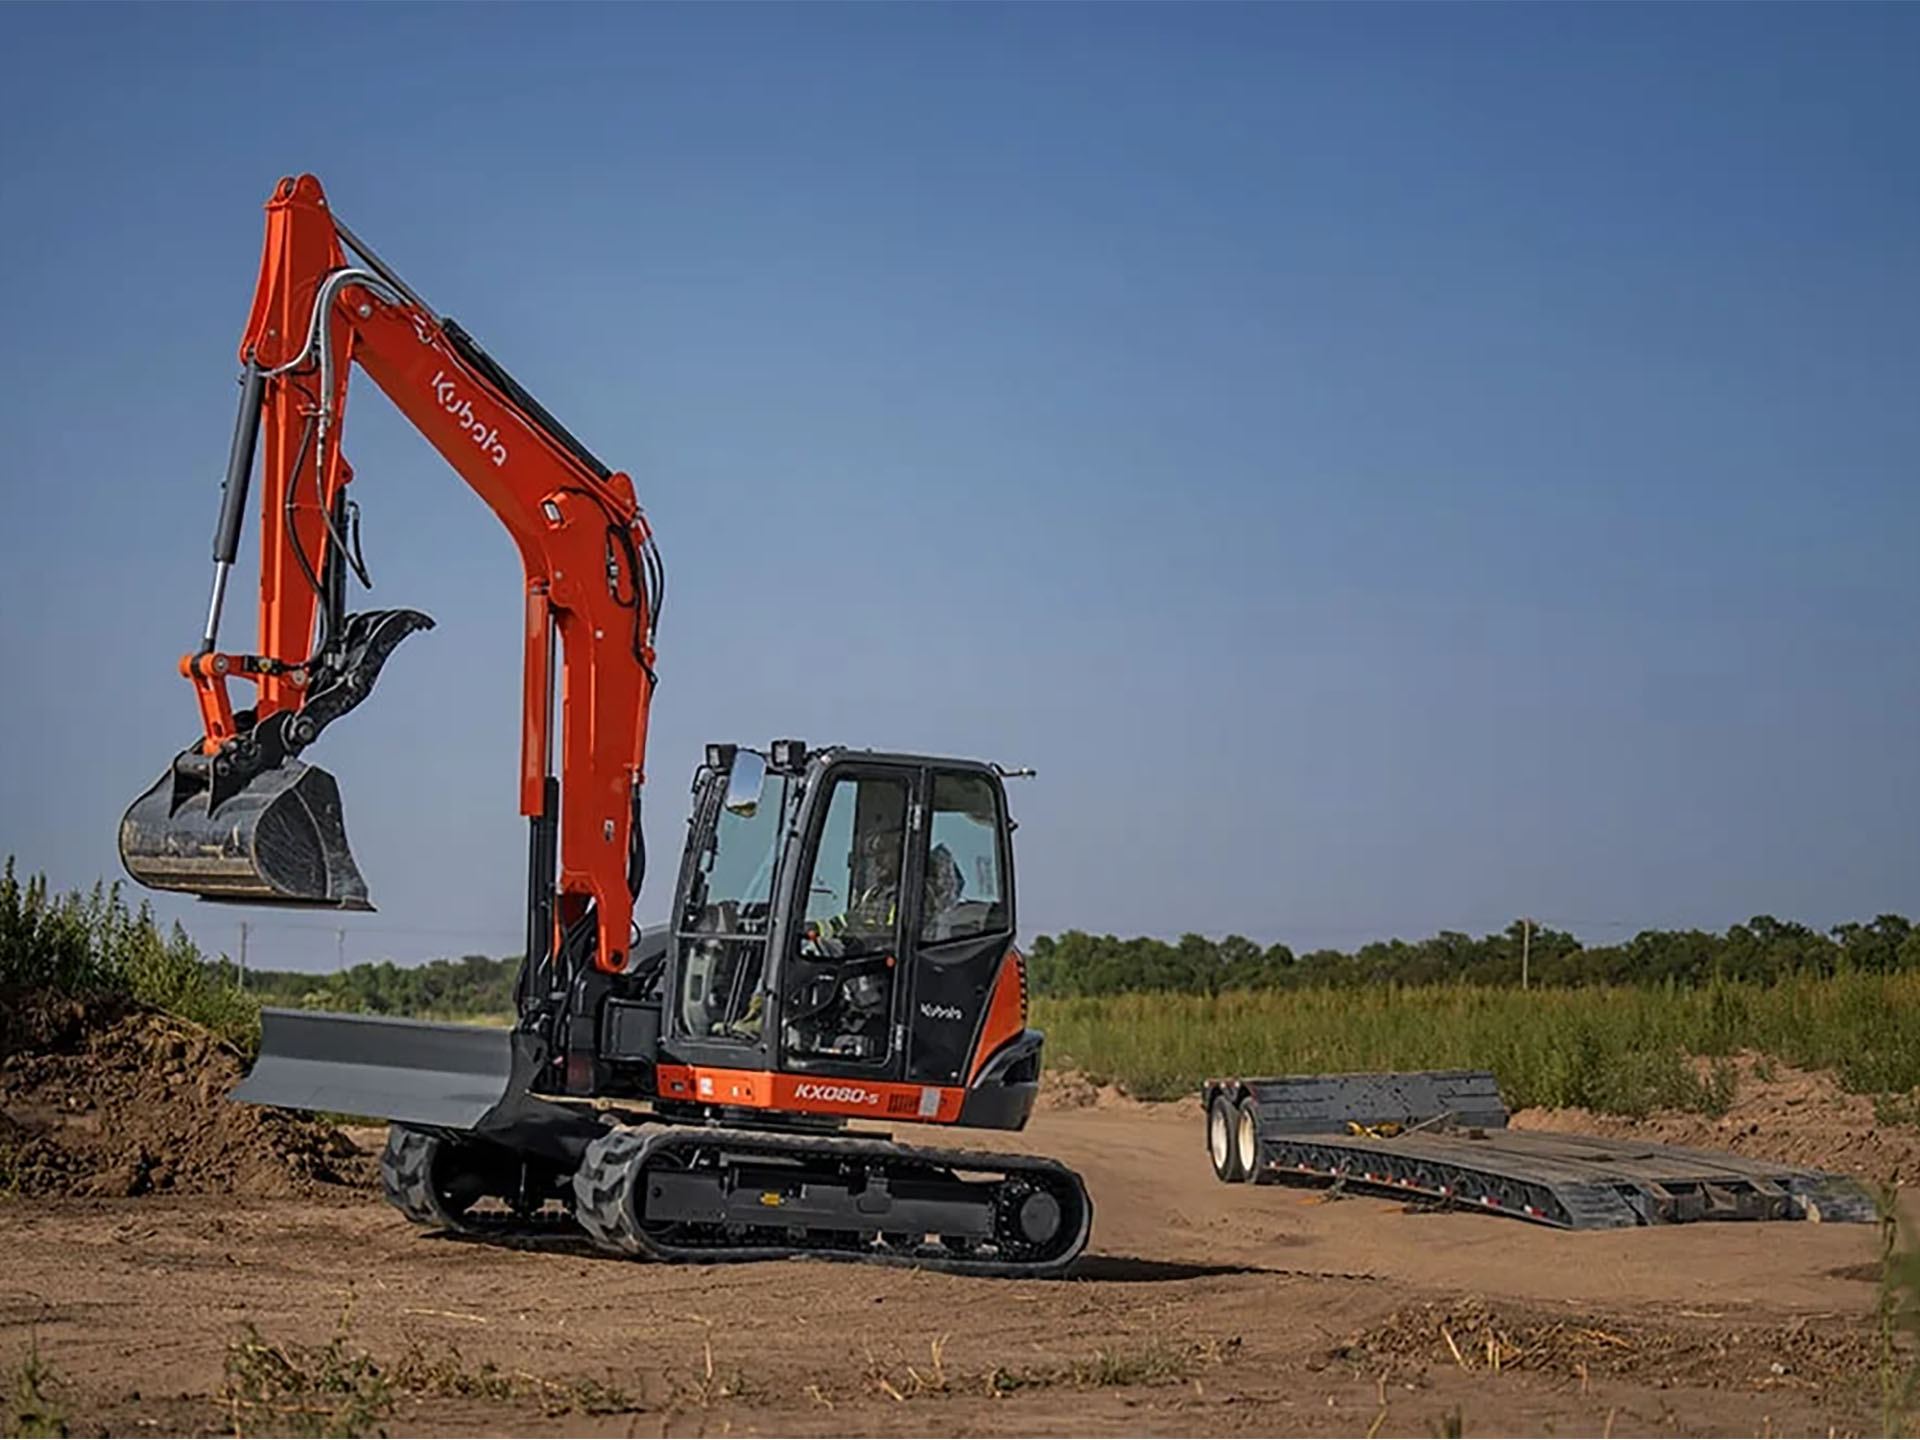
(1443, 1136)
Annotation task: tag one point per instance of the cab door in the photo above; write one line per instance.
(846, 950)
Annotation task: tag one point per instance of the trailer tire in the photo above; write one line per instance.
(1221, 1149)
(1246, 1138)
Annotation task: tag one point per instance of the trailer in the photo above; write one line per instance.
(1442, 1136)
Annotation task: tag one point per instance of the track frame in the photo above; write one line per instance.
(669, 1192)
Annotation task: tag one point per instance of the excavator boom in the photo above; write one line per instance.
(237, 815)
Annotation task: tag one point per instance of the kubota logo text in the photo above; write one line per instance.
(485, 436)
(942, 1012)
(838, 1094)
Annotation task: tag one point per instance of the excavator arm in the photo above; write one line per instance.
(239, 816)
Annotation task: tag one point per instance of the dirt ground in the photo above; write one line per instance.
(1778, 1113)
(1200, 1308)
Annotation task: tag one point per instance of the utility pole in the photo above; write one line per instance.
(1526, 949)
(340, 949)
(243, 954)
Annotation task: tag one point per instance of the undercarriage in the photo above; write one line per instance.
(668, 1192)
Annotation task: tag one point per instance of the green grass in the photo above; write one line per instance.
(1620, 1049)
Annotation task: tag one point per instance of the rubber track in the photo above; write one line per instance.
(600, 1187)
(603, 1187)
(406, 1174)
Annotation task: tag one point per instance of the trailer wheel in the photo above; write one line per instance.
(1246, 1138)
(1221, 1146)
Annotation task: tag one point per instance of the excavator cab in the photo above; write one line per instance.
(830, 965)
(850, 914)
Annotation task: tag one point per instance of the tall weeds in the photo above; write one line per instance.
(1619, 1049)
(1897, 1316)
(92, 945)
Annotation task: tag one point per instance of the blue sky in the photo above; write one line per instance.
(1387, 468)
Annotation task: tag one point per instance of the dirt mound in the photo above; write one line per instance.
(1797, 1117)
(1077, 1090)
(99, 1097)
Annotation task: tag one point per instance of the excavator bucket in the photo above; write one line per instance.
(279, 839)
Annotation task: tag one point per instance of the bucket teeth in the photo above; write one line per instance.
(279, 840)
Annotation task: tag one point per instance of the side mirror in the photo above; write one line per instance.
(744, 783)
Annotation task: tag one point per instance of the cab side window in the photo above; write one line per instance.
(964, 892)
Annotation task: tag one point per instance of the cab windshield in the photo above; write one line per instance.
(734, 895)
(723, 959)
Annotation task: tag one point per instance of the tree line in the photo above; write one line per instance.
(447, 989)
(1075, 962)
(80, 942)
(1764, 949)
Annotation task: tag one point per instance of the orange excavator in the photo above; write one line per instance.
(841, 940)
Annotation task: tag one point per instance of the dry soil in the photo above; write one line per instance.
(205, 1301)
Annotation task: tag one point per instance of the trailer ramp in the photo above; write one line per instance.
(1443, 1136)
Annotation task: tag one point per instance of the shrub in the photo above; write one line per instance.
(93, 945)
